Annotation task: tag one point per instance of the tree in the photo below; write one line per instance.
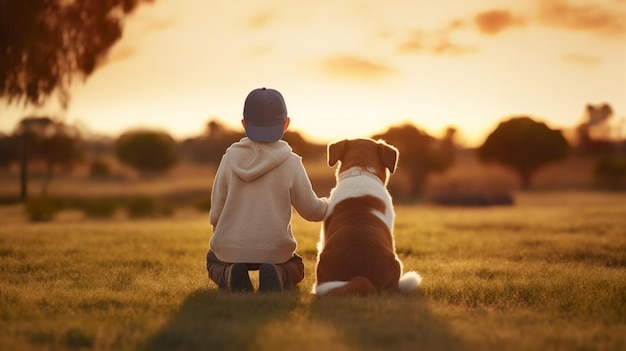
(524, 146)
(594, 133)
(303, 147)
(45, 44)
(209, 147)
(420, 154)
(147, 151)
(51, 142)
(8, 151)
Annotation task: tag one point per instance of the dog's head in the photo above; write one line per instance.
(375, 156)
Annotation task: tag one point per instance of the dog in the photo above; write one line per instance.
(356, 251)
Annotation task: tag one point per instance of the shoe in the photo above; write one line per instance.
(270, 278)
(238, 279)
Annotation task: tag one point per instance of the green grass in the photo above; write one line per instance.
(546, 274)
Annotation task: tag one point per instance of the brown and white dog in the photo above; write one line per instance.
(356, 252)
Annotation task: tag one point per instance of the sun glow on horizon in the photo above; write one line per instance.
(353, 68)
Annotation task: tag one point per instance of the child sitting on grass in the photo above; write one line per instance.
(258, 181)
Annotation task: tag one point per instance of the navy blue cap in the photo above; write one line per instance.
(265, 114)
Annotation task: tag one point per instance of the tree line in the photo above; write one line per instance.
(521, 144)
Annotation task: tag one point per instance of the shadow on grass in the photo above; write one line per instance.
(213, 320)
(387, 321)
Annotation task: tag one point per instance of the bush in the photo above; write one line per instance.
(100, 169)
(41, 209)
(165, 209)
(610, 171)
(149, 152)
(203, 205)
(100, 208)
(141, 206)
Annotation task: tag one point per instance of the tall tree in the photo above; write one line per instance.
(524, 146)
(53, 143)
(8, 151)
(45, 44)
(420, 154)
(595, 132)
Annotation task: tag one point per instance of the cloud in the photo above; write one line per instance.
(581, 59)
(415, 43)
(495, 21)
(586, 17)
(117, 54)
(351, 67)
(438, 43)
(260, 20)
(446, 47)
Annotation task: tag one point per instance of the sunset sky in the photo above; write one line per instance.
(351, 68)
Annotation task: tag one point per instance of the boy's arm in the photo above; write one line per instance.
(218, 196)
(304, 199)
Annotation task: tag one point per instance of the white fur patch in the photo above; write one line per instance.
(362, 186)
(324, 288)
(409, 281)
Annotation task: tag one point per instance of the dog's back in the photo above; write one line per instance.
(358, 244)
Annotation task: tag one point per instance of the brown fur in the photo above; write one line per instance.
(359, 246)
(363, 153)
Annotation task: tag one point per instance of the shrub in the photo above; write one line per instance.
(149, 152)
(100, 169)
(141, 206)
(610, 171)
(100, 208)
(203, 205)
(41, 209)
(165, 209)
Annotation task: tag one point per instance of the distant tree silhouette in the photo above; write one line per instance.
(209, 147)
(50, 142)
(303, 147)
(594, 133)
(212, 144)
(420, 154)
(524, 146)
(45, 44)
(610, 171)
(8, 151)
(99, 168)
(146, 151)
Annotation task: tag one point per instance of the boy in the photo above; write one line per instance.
(258, 181)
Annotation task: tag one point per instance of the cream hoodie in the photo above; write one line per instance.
(254, 189)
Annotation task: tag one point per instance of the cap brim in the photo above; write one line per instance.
(265, 134)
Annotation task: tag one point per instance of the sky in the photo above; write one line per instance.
(352, 68)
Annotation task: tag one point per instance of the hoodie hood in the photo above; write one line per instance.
(249, 159)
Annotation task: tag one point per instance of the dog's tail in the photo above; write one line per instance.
(409, 281)
(355, 286)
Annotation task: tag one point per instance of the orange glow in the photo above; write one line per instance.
(351, 68)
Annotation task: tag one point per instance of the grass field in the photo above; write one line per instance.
(546, 274)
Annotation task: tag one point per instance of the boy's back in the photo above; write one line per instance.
(257, 183)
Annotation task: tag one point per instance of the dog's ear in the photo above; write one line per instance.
(335, 151)
(389, 156)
